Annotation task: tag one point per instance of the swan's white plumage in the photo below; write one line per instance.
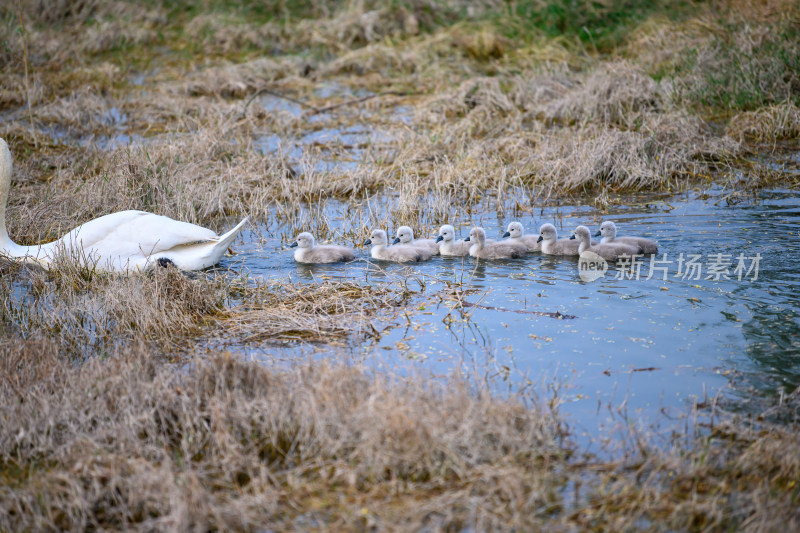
(122, 241)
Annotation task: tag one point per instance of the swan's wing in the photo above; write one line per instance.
(132, 233)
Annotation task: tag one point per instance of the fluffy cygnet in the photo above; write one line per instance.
(448, 245)
(608, 230)
(405, 235)
(400, 253)
(516, 232)
(608, 251)
(483, 249)
(308, 252)
(552, 245)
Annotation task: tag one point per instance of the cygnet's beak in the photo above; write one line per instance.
(368, 241)
(572, 237)
(396, 240)
(506, 234)
(439, 238)
(597, 234)
(293, 244)
(540, 239)
(466, 240)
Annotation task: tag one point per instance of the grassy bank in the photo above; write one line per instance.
(128, 443)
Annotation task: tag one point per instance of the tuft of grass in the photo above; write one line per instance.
(318, 312)
(771, 124)
(601, 25)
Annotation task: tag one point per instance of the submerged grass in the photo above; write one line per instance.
(89, 314)
(318, 312)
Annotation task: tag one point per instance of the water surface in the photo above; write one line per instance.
(728, 324)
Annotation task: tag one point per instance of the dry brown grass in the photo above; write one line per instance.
(767, 125)
(318, 312)
(130, 443)
(232, 445)
(89, 314)
(488, 115)
(615, 95)
(187, 177)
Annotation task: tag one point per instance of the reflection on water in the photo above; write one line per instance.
(653, 340)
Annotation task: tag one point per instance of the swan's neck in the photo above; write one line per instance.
(585, 244)
(8, 248)
(5, 185)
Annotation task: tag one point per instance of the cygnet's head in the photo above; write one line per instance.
(304, 240)
(547, 233)
(405, 235)
(583, 234)
(377, 238)
(514, 231)
(476, 235)
(446, 233)
(607, 229)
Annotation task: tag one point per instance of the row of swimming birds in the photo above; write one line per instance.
(514, 244)
(137, 240)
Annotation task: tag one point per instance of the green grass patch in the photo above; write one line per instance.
(602, 26)
(741, 74)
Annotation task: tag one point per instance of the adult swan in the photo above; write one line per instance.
(120, 242)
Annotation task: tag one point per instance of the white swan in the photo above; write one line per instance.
(400, 253)
(608, 251)
(551, 245)
(122, 241)
(448, 245)
(405, 235)
(484, 249)
(308, 252)
(609, 232)
(516, 232)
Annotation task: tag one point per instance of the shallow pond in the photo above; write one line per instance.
(698, 324)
